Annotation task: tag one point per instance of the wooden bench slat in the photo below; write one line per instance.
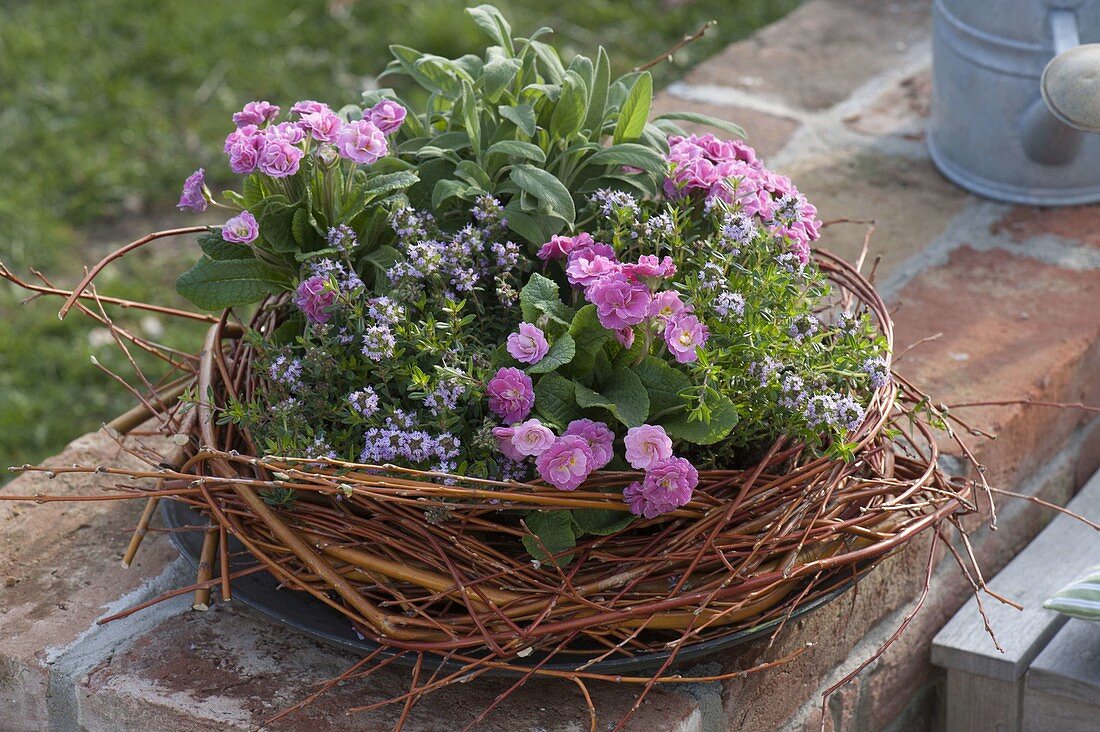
(1061, 553)
(1070, 665)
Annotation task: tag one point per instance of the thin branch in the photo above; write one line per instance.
(685, 41)
(39, 290)
(119, 253)
(1028, 403)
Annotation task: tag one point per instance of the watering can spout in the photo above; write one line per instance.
(1054, 126)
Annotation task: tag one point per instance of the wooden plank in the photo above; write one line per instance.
(980, 704)
(1052, 713)
(1064, 550)
(1069, 666)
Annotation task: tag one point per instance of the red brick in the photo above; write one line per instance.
(230, 669)
(910, 202)
(59, 566)
(1078, 223)
(1013, 328)
(901, 111)
(819, 54)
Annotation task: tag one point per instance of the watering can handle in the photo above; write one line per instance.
(1071, 87)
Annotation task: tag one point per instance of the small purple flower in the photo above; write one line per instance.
(585, 268)
(609, 201)
(668, 485)
(504, 436)
(647, 444)
(791, 262)
(532, 438)
(878, 371)
(834, 410)
(764, 370)
(487, 210)
(738, 230)
(625, 337)
(665, 305)
(567, 463)
(323, 126)
(361, 141)
(511, 394)
(378, 342)
(243, 147)
(385, 310)
(648, 265)
(528, 345)
(364, 401)
(559, 247)
(342, 237)
(803, 326)
(308, 106)
(287, 372)
(795, 394)
(847, 412)
(599, 437)
(683, 336)
(619, 301)
(445, 396)
(241, 229)
(729, 302)
(279, 158)
(255, 113)
(194, 192)
(387, 116)
(314, 297)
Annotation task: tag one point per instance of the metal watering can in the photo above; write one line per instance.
(1015, 96)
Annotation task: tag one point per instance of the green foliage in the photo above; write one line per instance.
(634, 114)
(279, 497)
(561, 353)
(695, 428)
(600, 522)
(556, 400)
(622, 394)
(555, 533)
(539, 298)
(530, 131)
(216, 284)
(665, 385)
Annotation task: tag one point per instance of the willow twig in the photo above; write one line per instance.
(119, 253)
(686, 40)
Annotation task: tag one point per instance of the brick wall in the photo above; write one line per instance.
(834, 95)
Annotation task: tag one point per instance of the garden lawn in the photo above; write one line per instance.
(107, 105)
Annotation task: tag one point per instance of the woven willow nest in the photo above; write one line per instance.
(419, 565)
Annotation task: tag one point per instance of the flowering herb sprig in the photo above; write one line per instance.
(396, 377)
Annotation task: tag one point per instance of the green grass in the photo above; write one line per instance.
(107, 105)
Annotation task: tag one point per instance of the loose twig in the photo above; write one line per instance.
(1028, 403)
(119, 253)
(686, 40)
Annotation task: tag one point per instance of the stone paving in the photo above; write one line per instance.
(835, 95)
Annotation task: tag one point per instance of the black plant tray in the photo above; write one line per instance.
(306, 614)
